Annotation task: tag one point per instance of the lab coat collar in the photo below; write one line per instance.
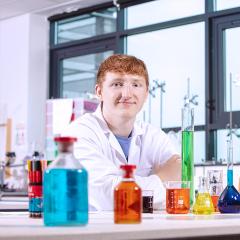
(137, 128)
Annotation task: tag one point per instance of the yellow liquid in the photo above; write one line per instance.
(203, 204)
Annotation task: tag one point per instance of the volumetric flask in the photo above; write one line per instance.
(178, 197)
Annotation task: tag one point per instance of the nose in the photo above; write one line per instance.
(127, 91)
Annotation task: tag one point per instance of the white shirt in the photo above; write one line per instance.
(101, 154)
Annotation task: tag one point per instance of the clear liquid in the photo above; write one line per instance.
(187, 161)
(65, 197)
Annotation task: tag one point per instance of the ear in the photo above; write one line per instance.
(98, 91)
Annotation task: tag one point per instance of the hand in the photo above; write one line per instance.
(171, 170)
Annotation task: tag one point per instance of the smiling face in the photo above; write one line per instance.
(122, 95)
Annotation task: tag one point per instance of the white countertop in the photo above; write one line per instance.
(154, 226)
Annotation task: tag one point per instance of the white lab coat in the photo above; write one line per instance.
(101, 154)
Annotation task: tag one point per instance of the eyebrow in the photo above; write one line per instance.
(132, 79)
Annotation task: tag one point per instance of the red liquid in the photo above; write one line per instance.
(178, 200)
(215, 202)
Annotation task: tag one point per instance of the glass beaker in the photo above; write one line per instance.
(178, 197)
(147, 201)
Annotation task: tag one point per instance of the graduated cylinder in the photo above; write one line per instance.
(187, 148)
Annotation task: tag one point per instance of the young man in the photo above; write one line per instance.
(111, 136)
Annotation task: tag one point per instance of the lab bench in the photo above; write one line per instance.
(159, 225)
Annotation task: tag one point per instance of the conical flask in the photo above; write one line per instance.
(203, 203)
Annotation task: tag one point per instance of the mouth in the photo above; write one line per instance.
(127, 103)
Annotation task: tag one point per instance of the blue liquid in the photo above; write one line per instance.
(229, 201)
(230, 177)
(65, 197)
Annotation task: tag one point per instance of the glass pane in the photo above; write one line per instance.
(222, 145)
(85, 26)
(162, 10)
(79, 74)
(232, 53)
(225, 4)
(199, 147)
(199, 144)
(172, 55)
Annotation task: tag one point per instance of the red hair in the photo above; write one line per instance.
(123, 64)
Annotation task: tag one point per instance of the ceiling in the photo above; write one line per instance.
(13, 8)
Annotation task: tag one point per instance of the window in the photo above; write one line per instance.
(178, 40)
(79, 74)
(225, 4)
(162, 10)
(85, 26)
(172, 55)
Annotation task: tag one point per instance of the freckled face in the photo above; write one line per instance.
(122, 95)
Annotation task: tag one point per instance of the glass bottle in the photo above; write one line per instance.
(35, 174)
(203, 203)
(127, 198)
(65, 188)
(187, 146)
(215, 186)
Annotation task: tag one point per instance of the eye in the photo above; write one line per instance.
(136, 84)
(117, 84)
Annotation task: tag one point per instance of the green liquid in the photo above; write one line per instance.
(187, 161)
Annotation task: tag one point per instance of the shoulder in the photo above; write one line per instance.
(85, 126)
(149, 130)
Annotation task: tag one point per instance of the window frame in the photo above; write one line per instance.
(116, 41)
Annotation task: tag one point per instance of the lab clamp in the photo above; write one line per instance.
(190, 100)
(161, 86)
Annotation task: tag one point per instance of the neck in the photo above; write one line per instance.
(119, 126)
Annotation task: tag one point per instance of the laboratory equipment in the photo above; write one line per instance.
(178, 197)
(35, 173)
(187, 144)
(229, 200)
(147, 201)
(65, 188)
(203, 203)
(215, 186)
(127, 198)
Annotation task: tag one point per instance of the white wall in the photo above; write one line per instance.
(24, 77)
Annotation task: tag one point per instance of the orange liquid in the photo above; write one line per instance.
(215, 202)
(127, 203)
(178, 200)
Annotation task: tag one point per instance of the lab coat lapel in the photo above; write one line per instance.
(115, 145)
(135, 147)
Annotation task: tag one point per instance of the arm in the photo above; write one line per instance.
(170, 170)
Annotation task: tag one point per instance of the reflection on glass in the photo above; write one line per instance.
(85, 26)
(222, 144)
(199, 147)
(232, 53)
(160, 11)
(79, 74)
(225, 4)
(172, 55)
